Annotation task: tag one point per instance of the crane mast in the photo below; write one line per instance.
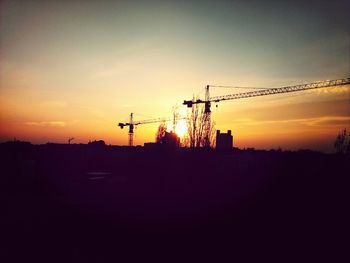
(261, 92)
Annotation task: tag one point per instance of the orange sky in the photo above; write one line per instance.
(76, 69)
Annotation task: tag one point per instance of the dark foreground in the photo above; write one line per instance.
(78, 203)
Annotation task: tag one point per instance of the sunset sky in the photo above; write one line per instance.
(77, 68)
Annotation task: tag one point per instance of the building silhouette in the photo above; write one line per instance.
(224, 141)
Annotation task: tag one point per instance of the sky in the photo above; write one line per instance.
(77, 68)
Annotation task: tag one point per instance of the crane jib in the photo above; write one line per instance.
(272, 91)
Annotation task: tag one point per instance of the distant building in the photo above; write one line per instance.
(99, 143)
(151, 146)
(224, 141)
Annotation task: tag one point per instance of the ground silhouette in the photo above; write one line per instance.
(75, 202)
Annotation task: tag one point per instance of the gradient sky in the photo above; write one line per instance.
(76, 68)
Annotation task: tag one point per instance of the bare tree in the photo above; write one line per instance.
(175, 116)
(161, 132)
(192, 125)
(212, 135)
(196, 128)
(342, 142)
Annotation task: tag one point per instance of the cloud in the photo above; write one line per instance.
(46, 123)
(332, 90)
(314, 122)
(329, 121)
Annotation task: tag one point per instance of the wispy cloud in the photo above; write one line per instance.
(333, 90)
(329, 120)
(46, 123)
(317, 121)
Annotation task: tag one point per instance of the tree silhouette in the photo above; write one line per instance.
(161, 133)
(342, 142)
(196, 128)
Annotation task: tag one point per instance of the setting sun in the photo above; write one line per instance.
(181, 128)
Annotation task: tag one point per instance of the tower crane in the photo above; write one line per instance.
(261, 92)
(133, 123)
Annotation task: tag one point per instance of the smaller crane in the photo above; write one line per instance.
(133, 123)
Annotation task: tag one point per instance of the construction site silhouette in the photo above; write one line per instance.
(174, 131)
(75, 202)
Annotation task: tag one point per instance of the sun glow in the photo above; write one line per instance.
(181, 128)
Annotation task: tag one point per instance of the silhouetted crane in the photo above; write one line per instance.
(261, 92)
(133, 123)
